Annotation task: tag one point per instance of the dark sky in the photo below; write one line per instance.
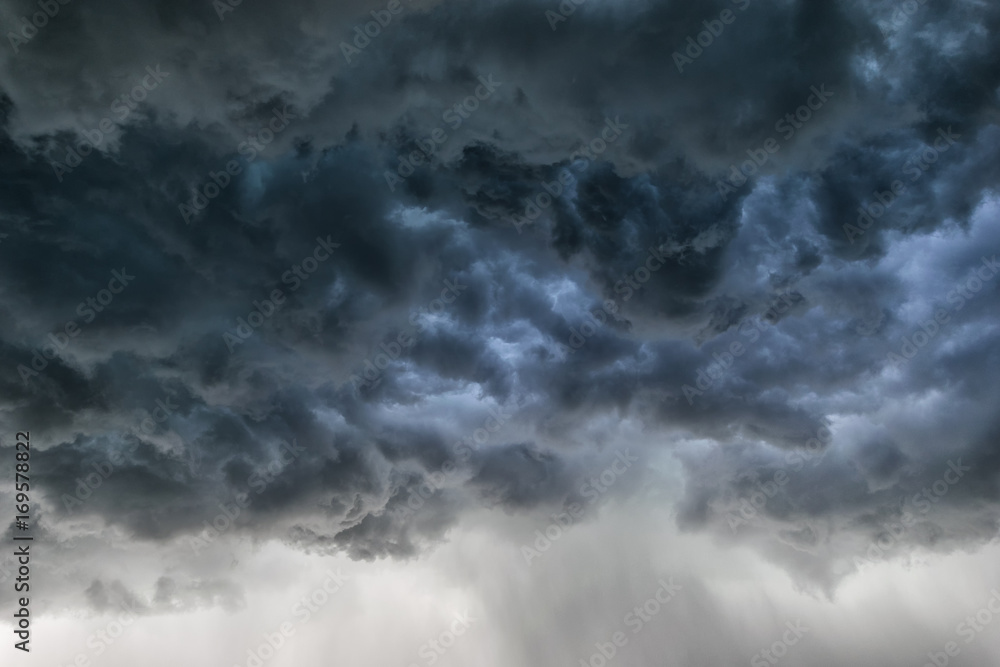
(411, 291)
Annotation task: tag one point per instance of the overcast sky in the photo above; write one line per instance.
(502, 333)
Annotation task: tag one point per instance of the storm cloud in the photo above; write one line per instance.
(367, 281)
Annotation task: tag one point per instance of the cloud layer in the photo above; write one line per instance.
(276, 275)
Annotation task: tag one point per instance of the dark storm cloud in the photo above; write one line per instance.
(722, 261)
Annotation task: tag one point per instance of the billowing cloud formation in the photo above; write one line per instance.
(269, 277)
